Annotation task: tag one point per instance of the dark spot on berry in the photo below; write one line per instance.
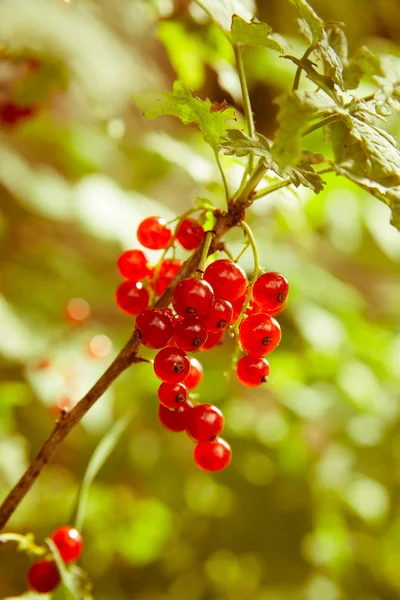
(191, 311)
(264, 379)
(178, 368)
(280, 297)
(179, 398)
(221, 324)
(197, 341)
(266, 341)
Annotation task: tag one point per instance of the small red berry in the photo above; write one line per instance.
(133, 265)
(192, 296)
(252, 371)
(154, 327)
(132, 297)
(214, 339)
(69, 543)
(195, 374)
(213, 455)
(259, 334)
(270, 291)
(170, 395)
(43, 576)
(171, 365)
(219, 315)
(277, 310)
(153, 233)
(175, 420)
(168, 270)
(190, 334)
(189, 234)
(227, 279)
(204, 422)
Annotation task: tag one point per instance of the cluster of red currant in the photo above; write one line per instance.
(43, 576)
(203, 306)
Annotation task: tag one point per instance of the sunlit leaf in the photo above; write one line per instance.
(315, 24)
(222, 11)
(254, 33)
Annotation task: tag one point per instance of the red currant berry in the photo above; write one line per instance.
(175, 420)
(213, 455)
(227, 279)
(168, 271)
(192, 296)
(189, 234)
(171, 365)
(69, 543)
(170, 395)
(278, 310)
(204, 422)
(259, 334)
(270, 291)
(252, 371)
(154, 327)
(43, 576)
(153, 233)
(237, 306)
(190, 334)
(214, 338)
(132, 265)
(219, 316)
(195, 374)
(132, 297)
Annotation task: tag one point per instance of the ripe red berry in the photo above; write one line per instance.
(213, 455)
(153, 233)
(154, 327)
(227, 279)
(132, 297)
(252, 371)
(237, 306)
(270, 291)
(168, 270)
(133, 265)
(204, 422)
(43, 576)
(175, 420)
(219, 315)
(195, 374)
(189, 234)
(170, 395)
(190, 334)
(69, 543)
(172, 365)
(192, 296)
(214, 338)
(278, 310)
(259, 334)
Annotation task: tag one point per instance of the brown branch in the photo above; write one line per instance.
(127, 357)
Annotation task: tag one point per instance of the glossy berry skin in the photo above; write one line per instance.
(259, 334)
(195, 374)
(189, 234)
(219, 315)
(168, 270)
(69, 543)
(270, 291)
(252, 371)
(172, 365)
(154, 327)
(204, 422)
(190, 334)
(171, 395)
(192, 297)
(213, 455)
(214, 339)
(153, 233)
(43, 576)
(227, 279)
(175, 420)
(132, 297)
(133, 265)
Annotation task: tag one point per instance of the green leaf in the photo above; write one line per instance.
(322, 81)
(254, 33)
(238, 143)
(314, 22)
(303, 174)
(363, 63)
(222, 11)
(189, 109)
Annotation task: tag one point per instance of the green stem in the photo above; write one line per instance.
(248, 189)
(25, 542)
(204, 252)
(323, 123)
(224, 180)
(228, 253)
(246, 105)
(296, 81)
(243, 250)
(284, 183)
(253, 244)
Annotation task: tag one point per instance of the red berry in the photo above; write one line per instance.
(168, 270)
(175, 420)
(170, 395)
(69, 543)
(278, 310)
(192, 296)
(132, 297)
(270, 291)
(154, 327)
(213, 455)
(227, 279)
(153, 233)
(195, 374)
(171, 365)
(204, 422)
(43, 576)
(132, 265)
(214, 338)
(219, 315)
(237, 306)
(259, 334)
(189, 234)
(190, 334)
(252, 371)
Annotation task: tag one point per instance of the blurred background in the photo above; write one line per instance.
(309, 507)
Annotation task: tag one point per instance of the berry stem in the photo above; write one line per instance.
(299, 70)
(25, 543)
(323, 123)
(246, 195)
(205, 251)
